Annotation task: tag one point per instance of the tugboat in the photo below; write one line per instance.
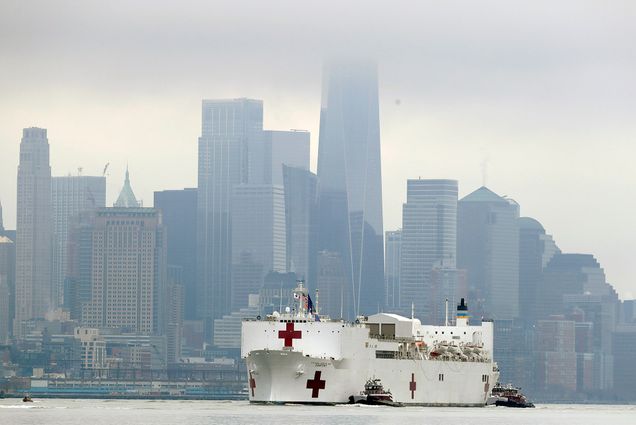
(27, 399)
(508, 396)
(374, 395)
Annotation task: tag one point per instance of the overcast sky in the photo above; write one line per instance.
(541, 95)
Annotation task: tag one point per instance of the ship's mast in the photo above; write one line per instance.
(446, 309)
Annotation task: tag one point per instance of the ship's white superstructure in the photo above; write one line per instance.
(300, 357)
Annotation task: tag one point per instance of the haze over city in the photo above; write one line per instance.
(287, 202)
(540, 96)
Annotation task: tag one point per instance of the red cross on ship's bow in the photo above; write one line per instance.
(316, 384)
(412, 386)
(252, 383)
(289, 335)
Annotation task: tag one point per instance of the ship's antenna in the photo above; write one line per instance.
(446, 319)
(342, 302)
(316, 306)
(412, 310)
(280, 298)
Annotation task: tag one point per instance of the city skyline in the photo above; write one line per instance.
(545, 110)
(188, 190)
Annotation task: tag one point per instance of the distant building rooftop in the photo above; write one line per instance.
(483, 194)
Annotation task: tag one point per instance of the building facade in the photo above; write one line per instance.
(429, 239)
(7, 285)
(488, 249)
(350, 183)
(34, 229)
(392, 256)
(228, 127)
(128, 268)
(300, 187)
(258, 238)
(272, 149)
(536, 249)
(70, 196)
(179, 215)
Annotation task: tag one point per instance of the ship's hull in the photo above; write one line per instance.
(286, 376)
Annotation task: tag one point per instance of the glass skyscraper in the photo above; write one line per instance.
(488, 249)
(350, 183)
(429, 247)
(70, 196)
(228, 127)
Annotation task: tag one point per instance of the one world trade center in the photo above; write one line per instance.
(350, 237)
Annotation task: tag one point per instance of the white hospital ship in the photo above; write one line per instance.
(300, 357)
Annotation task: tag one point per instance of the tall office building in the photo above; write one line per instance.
(179, 213)
(569, 274)
(429, 238)
(70, 196)
(34, 229)
(330, 281)
(300, 222)
(128, 268)
(536, 249)
(258, 238)
(7, 281)
(79, 265)
(488, 249)
(392, 255)
(350, 183)
(273, 149)
(5, 232)
(623, 348)
(228, 127)
(174, 312)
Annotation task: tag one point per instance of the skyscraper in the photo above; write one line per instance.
(7, 280)
(273, 149)
(392, 254)
(179, 213)
(70, 195)
(300, 222)
(129, 269)
(78, 288)
(34, 229)
(488, 248)
(5, 232)
(350, 183)
(429, 238)
(258, 238)
(228, 127)
(536, 249)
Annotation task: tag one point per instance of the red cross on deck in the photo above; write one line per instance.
(289, 334)
(316, 384)
(252, 383)
(412, 386)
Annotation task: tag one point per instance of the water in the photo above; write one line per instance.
(122, 412)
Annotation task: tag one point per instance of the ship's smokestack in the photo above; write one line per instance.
(462, 314)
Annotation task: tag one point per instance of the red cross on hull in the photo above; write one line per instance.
(412, 386)
(252, 383)
(289, 335)
(316, 384)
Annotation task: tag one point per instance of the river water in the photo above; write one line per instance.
(121, 412)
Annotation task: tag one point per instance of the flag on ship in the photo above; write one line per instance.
(310, 304)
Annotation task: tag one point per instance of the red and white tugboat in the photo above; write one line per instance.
(508, 396)
(374, 394)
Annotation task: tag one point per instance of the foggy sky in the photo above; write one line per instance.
(541, 95)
